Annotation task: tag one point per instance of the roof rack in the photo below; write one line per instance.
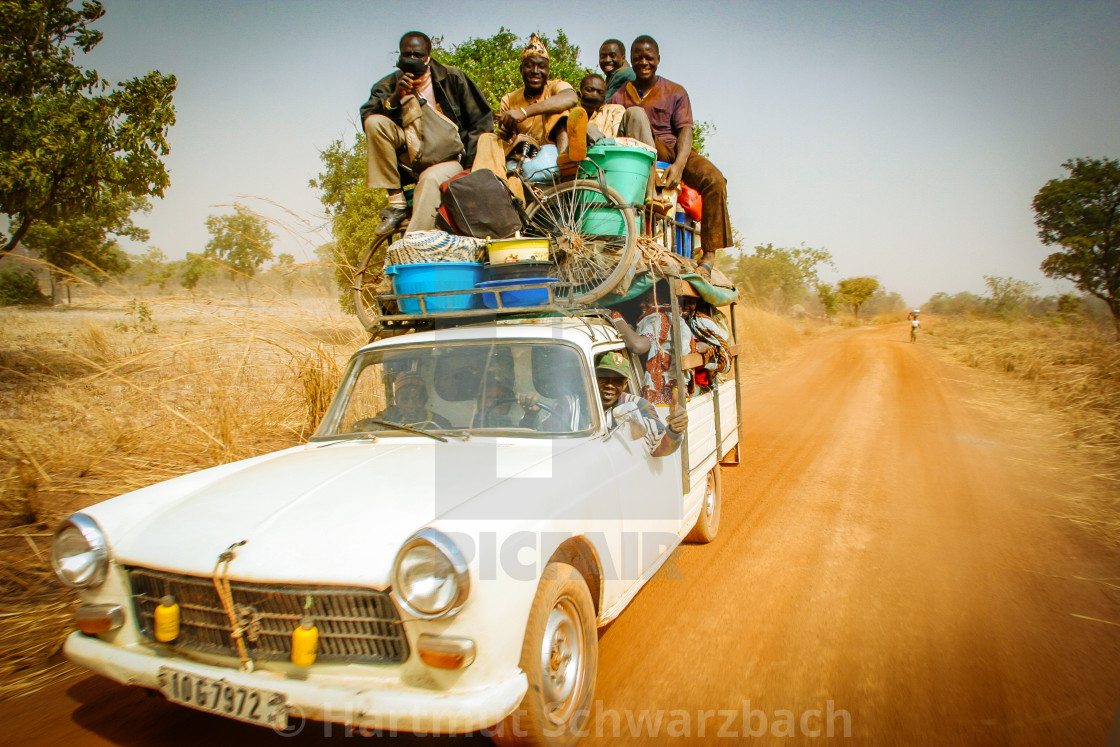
(399, 324)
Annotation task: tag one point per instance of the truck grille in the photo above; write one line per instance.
(355, 625)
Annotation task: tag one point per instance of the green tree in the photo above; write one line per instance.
(777, 277)
(351, 208)
(70, 146)
(87, 245)
(195, 268)
(154, 269)
(854, 292)
(1008, 294)
(1081, 214)
(827, 296)
(241, 243)
(941, 303)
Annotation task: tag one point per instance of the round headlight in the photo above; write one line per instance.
(79, 555)
(430, 576)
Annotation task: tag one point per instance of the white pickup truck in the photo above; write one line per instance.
(448, 577)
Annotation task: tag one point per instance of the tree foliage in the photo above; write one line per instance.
(855, 292)
(1081, 214)
(777, 277)
(72, 147)
(86, 245)
(1008, 294)
(241, 242)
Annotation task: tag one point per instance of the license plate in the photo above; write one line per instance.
(224, 698)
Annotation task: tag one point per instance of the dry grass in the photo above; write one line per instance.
(1072, 368)
(111, 395)
(102, 397)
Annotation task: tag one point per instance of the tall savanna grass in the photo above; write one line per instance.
(114, 394)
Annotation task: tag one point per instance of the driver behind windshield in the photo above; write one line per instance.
(410, 404)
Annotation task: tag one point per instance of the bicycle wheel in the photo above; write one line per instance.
(593, 235)
(370, 280)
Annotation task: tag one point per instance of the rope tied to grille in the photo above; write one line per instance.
(225, 594)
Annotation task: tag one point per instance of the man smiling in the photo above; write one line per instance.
(612, 61)
(670, 115)
(612, 373)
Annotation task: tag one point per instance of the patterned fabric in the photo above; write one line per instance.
(425, 247)
(659, 439)
(535, 47)
(657, 384)
(718, 357)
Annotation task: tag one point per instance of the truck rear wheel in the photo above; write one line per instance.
(560, 658)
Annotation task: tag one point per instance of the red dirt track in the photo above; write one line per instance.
(891, 561)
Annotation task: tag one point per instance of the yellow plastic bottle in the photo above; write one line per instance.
(305, 643)
(167, 620)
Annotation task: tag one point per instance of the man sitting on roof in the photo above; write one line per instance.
(670, 115)
(611, 120)
(612, 61)
(537, 111)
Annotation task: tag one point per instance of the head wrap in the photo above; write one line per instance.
(535, 47)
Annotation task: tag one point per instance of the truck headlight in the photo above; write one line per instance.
(80, 554)
(430, 576)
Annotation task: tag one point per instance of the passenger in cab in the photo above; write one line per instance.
(449, 92)
(612, 373)
(611, 120)
(410, 405)
(670, 115)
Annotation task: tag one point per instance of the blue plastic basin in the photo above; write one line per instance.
(435, 277)
(512, 295)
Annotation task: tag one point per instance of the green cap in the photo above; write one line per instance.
(614, 363)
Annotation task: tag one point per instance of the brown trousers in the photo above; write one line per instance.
(705, 178)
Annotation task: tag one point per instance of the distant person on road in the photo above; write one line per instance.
(612, 372)
(912, 317)
(450, 94)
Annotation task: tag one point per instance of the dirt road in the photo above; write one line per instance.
(890, 566)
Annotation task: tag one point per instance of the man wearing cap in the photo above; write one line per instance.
(453, 95)
(613, 374)
(410, 405)
(670, 115)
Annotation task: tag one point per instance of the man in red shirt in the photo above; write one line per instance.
(670, 115)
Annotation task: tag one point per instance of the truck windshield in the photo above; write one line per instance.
(533, 389)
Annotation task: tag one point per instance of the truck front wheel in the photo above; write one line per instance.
(560, 658)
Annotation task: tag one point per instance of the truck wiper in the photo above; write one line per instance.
(389, 424)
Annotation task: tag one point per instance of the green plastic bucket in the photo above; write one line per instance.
(627, 171)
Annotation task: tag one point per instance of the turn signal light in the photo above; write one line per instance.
(445, 653)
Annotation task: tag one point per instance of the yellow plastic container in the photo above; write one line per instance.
(305, 643)
(518, 250)
(167, 620)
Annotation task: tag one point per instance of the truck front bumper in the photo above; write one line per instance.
(375, 705)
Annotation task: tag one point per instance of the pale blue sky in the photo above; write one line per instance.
(907, 138)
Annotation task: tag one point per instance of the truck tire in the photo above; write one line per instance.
(560, 658)
(707, 523)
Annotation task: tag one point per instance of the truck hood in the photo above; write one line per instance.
(331, 513)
